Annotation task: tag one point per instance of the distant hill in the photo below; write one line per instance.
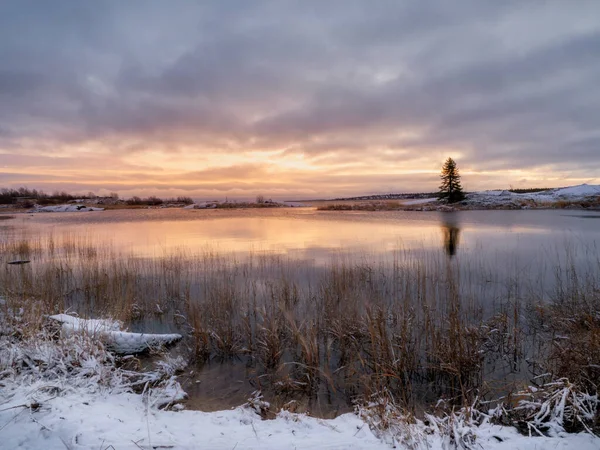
(379, 197)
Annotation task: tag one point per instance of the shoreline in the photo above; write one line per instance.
(77, 394)
(355, 205)
(581, 197)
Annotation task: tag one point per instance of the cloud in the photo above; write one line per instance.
(392, 88)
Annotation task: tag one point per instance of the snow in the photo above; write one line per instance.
(495, 193)
(65, 208)
(67, 393)
(107, 331)
(72, 418)
(583, 190)
(88, 325)
(76, 420)
(503, 198)
(573, 192)
(419, 201)
(202, 205)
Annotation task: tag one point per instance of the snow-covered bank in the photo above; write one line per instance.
(54, 415)
(582, 190)
(124, 421)
(202, 205)
(64, 208)
(541, 199)
(583, 196)
(419, 201)
(235, 204)
(72, 393)
(579, 192)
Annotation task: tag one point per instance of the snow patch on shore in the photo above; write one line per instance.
(506, 198)
(583, 190)
(202, 205)
(108, 331)
(65, 208)
(87, 325)
(72, 418)
(68, 393)
(419, 201)
(572, 193)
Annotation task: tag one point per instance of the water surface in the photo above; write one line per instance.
(307, 233)
(312, 262)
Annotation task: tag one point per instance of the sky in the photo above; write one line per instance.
(297, 99)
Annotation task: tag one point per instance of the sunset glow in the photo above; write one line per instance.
(285, 102)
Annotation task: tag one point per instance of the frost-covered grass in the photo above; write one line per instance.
(582, 197)
(69, 392)
(61, 361)
(66, 390)
(577, 197)
(65, 208)
(556, 407)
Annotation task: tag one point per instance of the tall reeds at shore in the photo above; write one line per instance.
(418, 326)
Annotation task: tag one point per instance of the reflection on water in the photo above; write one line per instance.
(313, 235)
(297, 285)
(451, 232)
(502, 242)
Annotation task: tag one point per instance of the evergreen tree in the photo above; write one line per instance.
(450, 189)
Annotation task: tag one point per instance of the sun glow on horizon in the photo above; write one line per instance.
(275, 173)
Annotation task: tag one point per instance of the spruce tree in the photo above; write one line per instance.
(450, 189)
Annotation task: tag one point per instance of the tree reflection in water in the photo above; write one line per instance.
(451, 232)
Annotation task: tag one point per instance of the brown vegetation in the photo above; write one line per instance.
(362, 206)
(410, 328)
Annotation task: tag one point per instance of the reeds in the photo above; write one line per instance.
(418, 327)
(362, 206)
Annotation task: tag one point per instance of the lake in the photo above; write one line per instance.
(315, 306)
(527, 243)
(305, 233)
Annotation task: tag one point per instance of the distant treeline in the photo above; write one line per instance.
(28, 197)
(390, 196)
(426, 195)
(153, 200)
(529, 190)
(9, 196)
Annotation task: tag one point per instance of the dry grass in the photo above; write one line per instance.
(415, 328)
(362, 206)
(592, 202)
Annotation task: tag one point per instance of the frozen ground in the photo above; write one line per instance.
(202, 205)
(70, 418)
(419, 201)
(65, 208)
(582, 190)
(573, 193)
(504, 199)
(69, 394)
